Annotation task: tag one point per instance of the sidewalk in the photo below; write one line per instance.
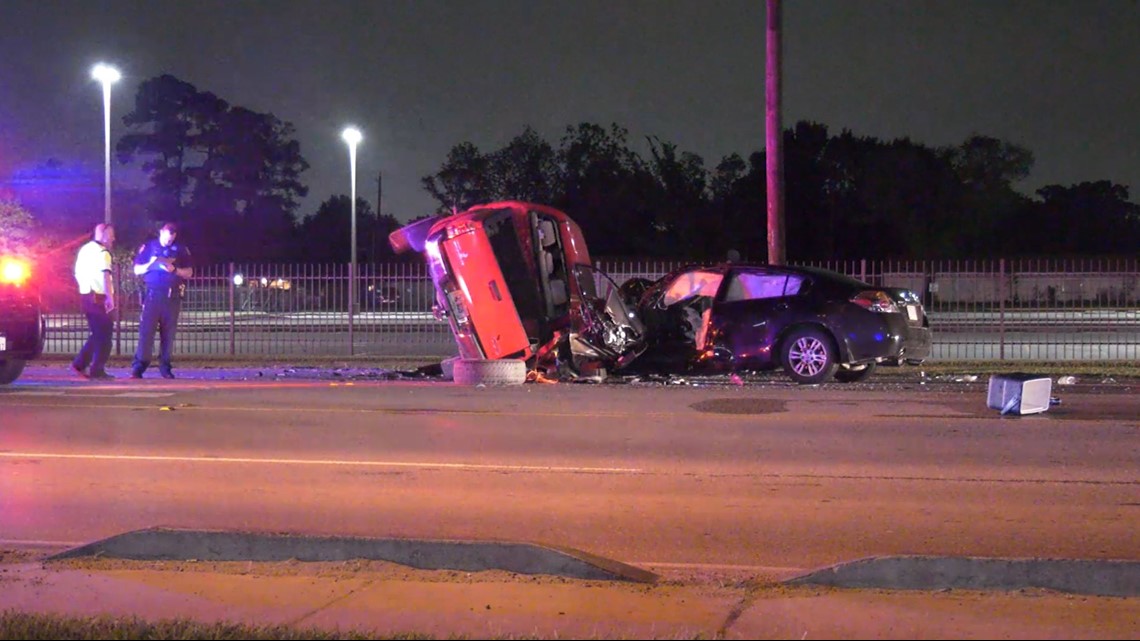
(388, 598)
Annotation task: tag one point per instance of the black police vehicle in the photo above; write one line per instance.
(22, 325)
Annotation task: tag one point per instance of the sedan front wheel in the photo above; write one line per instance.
(809, 356)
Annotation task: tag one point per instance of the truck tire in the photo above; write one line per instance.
(448, 367)
(500, 371)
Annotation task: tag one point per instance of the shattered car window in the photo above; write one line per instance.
(587, 278)
(691, 284)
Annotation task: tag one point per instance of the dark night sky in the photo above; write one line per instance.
(1059, 77)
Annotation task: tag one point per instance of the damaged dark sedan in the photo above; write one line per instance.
(814, 323)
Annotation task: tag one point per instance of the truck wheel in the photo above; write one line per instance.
(10, 370)
(500, 371)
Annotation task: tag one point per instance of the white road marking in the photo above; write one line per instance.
(334, 462)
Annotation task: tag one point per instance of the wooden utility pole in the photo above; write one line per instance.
(774, 146)
(379, 209)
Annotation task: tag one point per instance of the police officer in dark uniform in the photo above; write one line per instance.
(164, 265)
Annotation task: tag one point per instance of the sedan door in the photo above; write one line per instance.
(752, 309)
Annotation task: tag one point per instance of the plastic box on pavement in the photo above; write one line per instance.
(1019, 393)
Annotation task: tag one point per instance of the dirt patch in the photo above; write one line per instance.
(18, 556)
(740, 406)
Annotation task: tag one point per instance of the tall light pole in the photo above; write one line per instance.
(107, 75)
(352, 136)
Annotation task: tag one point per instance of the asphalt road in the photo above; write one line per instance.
(762, 477)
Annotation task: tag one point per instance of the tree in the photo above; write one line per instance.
(1090, 218)
(678, 202)
(737, 208)
(378, 233)
(847, 196)
(914, 202)
(603, 187)
(177, 115)
(216, 168)
(724, 179)
(463, 180)
(525, 169)
(16, 226)
(987, 169)
(986, 162)
(326, 236)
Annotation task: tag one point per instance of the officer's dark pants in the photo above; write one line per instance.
(97, 349)
(160, 312)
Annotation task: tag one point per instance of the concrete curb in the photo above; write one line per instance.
(1119, 578)
(163, 544)
(1099, 578)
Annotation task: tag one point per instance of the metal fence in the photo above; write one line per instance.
(1012, 310)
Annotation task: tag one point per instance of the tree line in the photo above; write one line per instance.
(234, 176)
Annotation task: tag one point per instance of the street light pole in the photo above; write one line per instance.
(107, 76)
(352, 136)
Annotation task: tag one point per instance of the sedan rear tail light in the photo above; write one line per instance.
(875, 301)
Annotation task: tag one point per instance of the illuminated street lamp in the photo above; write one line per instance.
(352, 136)
(107, 75)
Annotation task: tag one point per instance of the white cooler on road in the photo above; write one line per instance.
(1019, 393)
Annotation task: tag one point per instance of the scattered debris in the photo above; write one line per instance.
(1019, 393)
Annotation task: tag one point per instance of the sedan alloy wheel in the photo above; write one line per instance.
(808, 356)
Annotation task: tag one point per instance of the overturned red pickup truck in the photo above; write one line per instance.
(515, 283)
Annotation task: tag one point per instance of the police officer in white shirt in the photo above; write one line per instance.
(97, 291)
